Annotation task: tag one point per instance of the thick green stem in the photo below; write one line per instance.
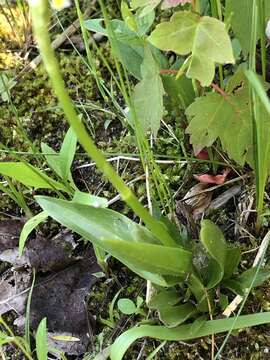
(40, 18)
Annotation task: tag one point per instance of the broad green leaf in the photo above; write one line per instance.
(126, 306)
(28, 227)
(157, 259)
(164, 298)
(88, 199)
(184, 332)
(232, 260)
(147, 5)
(145, 22)
(173, 316)
(41, 340)
(243, 282)
(121, 30)
(239, 14)
(199, 291)
(204, 38)
(30, 176)
(121, 237)
(67, 153)
(129, 44)
(180, 92)
(228, 118)
(148, 95)
(95, 223)
(215, 245)
(198, 323)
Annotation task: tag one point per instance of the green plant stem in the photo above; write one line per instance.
(216, 10)
(254, 108)
(40, 18)
(262, 25)
(88, 51)
(15, 340)
(146, 153)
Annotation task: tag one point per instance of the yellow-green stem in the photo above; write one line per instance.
(40, 18)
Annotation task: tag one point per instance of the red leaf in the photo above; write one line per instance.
(202, 155)
(213, 179)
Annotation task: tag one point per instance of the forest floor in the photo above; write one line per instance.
(43, 121)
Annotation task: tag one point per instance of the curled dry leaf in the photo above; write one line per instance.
(213, 179)
(192, 206)
(198, 199)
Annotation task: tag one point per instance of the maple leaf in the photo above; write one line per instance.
(147, 5)
(204, 38)
(228, 118)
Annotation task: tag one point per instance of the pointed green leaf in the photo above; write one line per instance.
(184, 332)
(232, 260)
(88, 199)
(157, 259)
(148, 95)
(41, 341)
(147, 5)
(215, 245)
(199, 291)
(145, 22)
(205, 38)
(52, 158)
(128, 17)
(28, 227)
(118, 235)
(243, 282)
(30, 176)
(129, 45)
(67, 152)
(173, 316)
(164, 298)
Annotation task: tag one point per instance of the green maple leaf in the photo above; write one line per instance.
(228, 118)
(148, 5)
(148, 94)
(205, 38)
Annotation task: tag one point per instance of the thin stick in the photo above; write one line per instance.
(238, 299)
(56, 43)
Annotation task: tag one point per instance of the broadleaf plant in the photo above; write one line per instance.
(148, 94)
(227, 116)
(204, 39)
(192, 271)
